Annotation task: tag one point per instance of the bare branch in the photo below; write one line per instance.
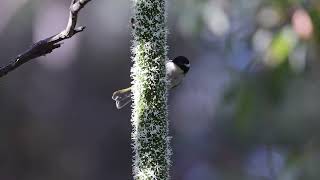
(47, 45)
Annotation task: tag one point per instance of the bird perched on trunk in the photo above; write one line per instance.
(176, 70)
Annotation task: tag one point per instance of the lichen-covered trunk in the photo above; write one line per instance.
(149, 115)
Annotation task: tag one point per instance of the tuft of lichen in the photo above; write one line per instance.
(150, 137)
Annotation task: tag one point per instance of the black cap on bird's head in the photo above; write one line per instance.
(182, 62)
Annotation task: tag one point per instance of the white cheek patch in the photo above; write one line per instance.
(187, 65)
(171, 67)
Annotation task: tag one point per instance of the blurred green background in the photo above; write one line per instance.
(248, 109)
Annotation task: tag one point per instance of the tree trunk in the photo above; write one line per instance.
(149, 115)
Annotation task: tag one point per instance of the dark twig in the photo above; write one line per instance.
(47, 45)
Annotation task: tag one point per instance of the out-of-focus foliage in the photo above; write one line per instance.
(275, 100)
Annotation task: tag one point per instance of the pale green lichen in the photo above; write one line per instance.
(149, 116)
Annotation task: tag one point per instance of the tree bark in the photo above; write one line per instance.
(149, 114)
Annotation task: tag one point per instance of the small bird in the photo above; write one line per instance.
(176, 71)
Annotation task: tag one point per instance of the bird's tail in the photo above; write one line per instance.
(122, 97)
